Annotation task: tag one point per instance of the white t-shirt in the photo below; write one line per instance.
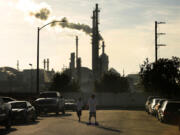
(92, 105)
(79, 105)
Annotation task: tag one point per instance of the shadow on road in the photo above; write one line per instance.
(5, 132)
(122, 108)
(26, 124)
(98, 126)
(103, 127)
(55, 115)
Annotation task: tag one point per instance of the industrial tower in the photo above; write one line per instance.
(95, 42)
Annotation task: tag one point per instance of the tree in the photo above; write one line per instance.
(112, 82)
(162, 77)
(63, 82)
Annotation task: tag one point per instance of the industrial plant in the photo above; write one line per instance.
(14, 80)
(84, 75)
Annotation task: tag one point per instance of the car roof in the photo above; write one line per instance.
(173, 101)
(49, 92)
(17, 102)
(156, 99)
(6, 97)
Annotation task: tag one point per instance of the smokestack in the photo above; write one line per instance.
(95, 42)
(44, 62)
(47, 64)
(76, 51)
(72, 63)
(18, 65)
(103, 48)
(79, 69)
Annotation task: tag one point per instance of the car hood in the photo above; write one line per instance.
(41, 99)
(70, 104)
(46, 101)
(18, 110)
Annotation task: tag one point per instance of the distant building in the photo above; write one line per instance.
(12, 80)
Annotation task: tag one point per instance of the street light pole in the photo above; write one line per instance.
(155, 41)
(38, 34)
(31, 77)
(37, 76)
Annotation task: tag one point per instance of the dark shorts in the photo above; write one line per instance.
(79, 113)
(92, 114)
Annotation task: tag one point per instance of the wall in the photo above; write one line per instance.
(113, 99)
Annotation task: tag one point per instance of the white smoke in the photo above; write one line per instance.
(42, 12)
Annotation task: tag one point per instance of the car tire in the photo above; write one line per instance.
(8, 124)
(25, 118)
(57, 112)
(162, 120)
(63, 111)
(158, 117)
(34, 117)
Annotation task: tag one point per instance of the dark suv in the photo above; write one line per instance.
(50, 101)
(169, 111)
(5, 114)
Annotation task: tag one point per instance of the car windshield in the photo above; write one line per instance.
(6, 99)
(18, 105)
(156, 101)
(45, 95)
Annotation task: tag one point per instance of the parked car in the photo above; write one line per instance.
(50, 101)
(157, 106)
(169, 111)
(22, 111)
(148, 102)
(5, 114)
(70, 104)
(152, 105)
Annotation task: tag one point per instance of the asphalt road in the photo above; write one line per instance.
(111, 122)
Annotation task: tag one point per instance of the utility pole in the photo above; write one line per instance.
(156, 38)
(76, 51)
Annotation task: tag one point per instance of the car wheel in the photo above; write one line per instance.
(57, 112)
(8, 124)
(63, 111)
(34, 117)
(158, 117)
(25, 118)
(38, 112)
(161, 120)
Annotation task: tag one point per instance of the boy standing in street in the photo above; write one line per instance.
(92, 108)
(79, 108)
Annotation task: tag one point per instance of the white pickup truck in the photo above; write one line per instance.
(50, 101)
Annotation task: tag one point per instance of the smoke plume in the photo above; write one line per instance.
(43, 14)
(77, 26)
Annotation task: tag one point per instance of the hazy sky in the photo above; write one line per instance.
(127, 27)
